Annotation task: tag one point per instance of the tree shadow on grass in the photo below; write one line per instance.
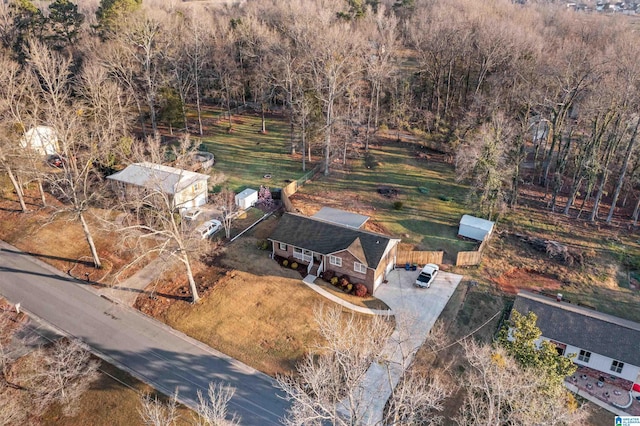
(50, 257)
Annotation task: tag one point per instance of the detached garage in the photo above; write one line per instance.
(475, 228)
(247, 198)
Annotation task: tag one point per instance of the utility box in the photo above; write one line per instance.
(247, 198)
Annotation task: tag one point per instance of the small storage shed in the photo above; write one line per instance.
(475, 228)
(247, 198)
(41, 139)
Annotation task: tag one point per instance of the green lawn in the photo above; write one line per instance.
(245, 155)
(432, 201)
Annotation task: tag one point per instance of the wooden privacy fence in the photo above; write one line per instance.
(470, 258)
(291, 189)
(419, 257)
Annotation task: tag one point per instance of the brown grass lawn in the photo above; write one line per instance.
(112, 400)
(257, 312)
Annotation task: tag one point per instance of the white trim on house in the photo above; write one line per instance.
(283, 246)
(601, 363)
(335, 261)
(359, 267)
(303, 254)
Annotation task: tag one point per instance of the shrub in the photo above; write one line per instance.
(334, 280)
(397, 205)
(361, 290)
(349, 288)
(285, 262)
(294, 265)
(328, 275)
(344, 281)
(262, 244)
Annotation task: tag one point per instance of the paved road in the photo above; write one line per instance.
(148, 349)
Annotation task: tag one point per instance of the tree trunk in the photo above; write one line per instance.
(625, 164)
(17, 187)
(229, 108)
(264, 123)
(572, 195)
(92, 246)
(304, 139)
(41, 190)
(327, 136)
(192, 282)
(635, 212)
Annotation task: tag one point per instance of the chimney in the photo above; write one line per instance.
(559, 297)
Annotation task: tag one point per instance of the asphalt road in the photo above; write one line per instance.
(151, 351)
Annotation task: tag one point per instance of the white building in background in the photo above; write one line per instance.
(601, 342)
(187, 189)
(41, 139)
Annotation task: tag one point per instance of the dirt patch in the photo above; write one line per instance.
(523, 279)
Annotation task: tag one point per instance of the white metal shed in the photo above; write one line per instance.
(475, 227)
(247, 198)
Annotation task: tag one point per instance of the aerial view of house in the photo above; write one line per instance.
(324, 245)
(602, 345)
(304, 212)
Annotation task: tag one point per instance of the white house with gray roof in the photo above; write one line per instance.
(187, 189)
(602, 342)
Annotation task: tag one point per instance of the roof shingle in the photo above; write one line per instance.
(327, 238)
(584, 328)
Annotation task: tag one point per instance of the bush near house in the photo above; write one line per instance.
(328, 275)
(360, 290)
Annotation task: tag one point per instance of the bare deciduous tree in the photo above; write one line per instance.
(499, 391)
(212, 409)
(61, 374)
(156, 413)
(153, 220)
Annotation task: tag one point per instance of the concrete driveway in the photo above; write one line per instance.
(416, 311)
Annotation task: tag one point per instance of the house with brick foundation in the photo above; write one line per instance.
(336, 245)
(606, 346)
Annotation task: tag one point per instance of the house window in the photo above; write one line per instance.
(283, 247)
(584, 356)
(335, 260)
(304, 255)
(617, 366)
(359, 267)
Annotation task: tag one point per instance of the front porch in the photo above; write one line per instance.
(613, 391)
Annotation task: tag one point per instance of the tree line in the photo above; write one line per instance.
(519, 94)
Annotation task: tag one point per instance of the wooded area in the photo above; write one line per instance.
(520, 95)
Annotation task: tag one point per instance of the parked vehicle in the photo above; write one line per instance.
(191, 215)
(427, 275)
(209, 228)
(55, 160)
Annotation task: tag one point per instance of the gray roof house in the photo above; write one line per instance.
(188, 189)
(364, 256)
(600, 341)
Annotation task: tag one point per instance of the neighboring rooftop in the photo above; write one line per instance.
(327, 238)
(597, 332)
(341, 217)
(169, 180)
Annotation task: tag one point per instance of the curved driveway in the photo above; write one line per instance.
(149, 350)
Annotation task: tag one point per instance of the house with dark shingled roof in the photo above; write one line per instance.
(366, 257)
(602, 342)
